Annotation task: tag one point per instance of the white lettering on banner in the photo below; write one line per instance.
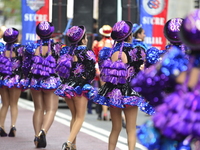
(153, 20)
(31, 37)
(153, 40)
(35, 17)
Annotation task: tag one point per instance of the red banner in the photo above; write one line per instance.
(153, 17)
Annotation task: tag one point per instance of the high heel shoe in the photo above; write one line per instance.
(2, 132)
(36, 141)
(42, 143)
(65, 146)
(73, 147)
(12, 132)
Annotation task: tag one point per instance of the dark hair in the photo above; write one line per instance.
(80, 42)
(137, 32)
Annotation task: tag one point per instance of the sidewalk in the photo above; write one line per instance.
(56, 136)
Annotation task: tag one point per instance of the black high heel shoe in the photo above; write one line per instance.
(12, 132)
(2, 132)
(42, 143)
(73, 147)
(65, 146)
(36, 141)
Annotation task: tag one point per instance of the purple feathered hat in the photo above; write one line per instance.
(10, 35)
(190, 30)
(121, 30)
(172, 29)
(44, 29)
(75, 34)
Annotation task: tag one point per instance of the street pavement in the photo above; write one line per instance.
(93, 135)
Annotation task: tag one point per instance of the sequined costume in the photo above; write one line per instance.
(176, 122)
(175, 125)
(152, 82)
(153, 55)
(118, 93)
(80, 73)
(40, 70)
(10, 67)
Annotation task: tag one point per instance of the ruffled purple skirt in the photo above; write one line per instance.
(13, 80)
(122, 97)
(68, 90)
(46, 83)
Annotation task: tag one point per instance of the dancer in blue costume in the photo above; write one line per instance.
(11, 77)
(76, 66)
(39, 66)
(160, 58)
(118, 66)
(176, 124)
(138, 36)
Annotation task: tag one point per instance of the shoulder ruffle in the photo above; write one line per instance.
(64, 50)
(174, 62)
(104, 53)
(153, 55)
(31, 47)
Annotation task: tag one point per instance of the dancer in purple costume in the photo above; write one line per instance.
(155, 81)
(39, 66)
(11, 77)
(171, 30)
(118, 66)
(76, 66)
(176, 124)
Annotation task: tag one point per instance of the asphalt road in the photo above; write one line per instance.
(103, 127)
(92, 126)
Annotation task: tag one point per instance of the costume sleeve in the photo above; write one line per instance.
(136, 58)
(64, 63)
(57, 47)
(89, 63)
(29, 51)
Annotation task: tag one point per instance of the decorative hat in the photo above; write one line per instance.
(10, 35)
(172, 29)
(44, 29)
(121, 30)
(105, 30)
(75, 34)
(190, 30)
(136, 27)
